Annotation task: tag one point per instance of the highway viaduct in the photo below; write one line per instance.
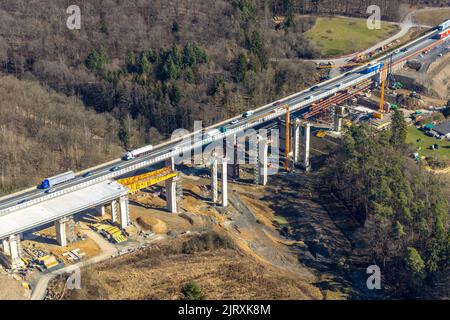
(79, 194)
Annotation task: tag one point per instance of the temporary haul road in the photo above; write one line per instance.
(297, 102)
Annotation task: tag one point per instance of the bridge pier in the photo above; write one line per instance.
(6, 247)
(100, 210)
(171, 188)
(263, 149)
(338, 114)
(61, 231)
(15, 250)
(224, 183)
(114, 211)
(232, 153)
(307, 138)
(124, 212)
(214, 180)
(297, 129)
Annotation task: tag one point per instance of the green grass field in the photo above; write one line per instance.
(425, 142)
(339, 36)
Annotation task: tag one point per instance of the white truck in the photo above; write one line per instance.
(137, 153)
(211, 133)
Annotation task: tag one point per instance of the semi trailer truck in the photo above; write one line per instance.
(60, 178)
(137, 153)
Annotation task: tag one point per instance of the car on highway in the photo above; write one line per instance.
(87, 174)
(338, 85)
(309, 97)
(51, 190)
(315, 88)
(248, 113)
(404, 50)
(234, 121)
(113, 169)
(22, 201)
(276, 104)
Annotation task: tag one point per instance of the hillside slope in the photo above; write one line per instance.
(43, 133)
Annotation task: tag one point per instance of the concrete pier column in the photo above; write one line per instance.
(170, 163)
(307, 138)
(124, 212)
(71, 235)
(297, 140)
(263, 150)
(100, 210)
(224, 183)
(6, 247)
(171, 195)
(14, 245)
(214, 182)
(232, 154)
(114, 211)
(338, 114)
(171, 189)
(61, 233)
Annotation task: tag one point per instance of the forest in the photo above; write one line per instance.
(159, 65)
(402, 209)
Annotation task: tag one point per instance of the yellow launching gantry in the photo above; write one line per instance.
(148, 179)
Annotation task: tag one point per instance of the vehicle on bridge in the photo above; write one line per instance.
(60, 178)
(372, 68)
(137, 153)
(211, 133)
(443, 34)
(444, 25)
(248, 113)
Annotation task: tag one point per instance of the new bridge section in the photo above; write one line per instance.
(59, 210)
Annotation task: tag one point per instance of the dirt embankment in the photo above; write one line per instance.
(210, 259)
(434, 81)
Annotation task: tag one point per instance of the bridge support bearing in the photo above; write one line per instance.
(124, 212)
(61, 233)
(224, 183)
(307, 138)
(114, 211)
(214, 182)
(15, 251)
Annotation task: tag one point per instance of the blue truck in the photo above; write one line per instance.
(60, 178)
(372, 68)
